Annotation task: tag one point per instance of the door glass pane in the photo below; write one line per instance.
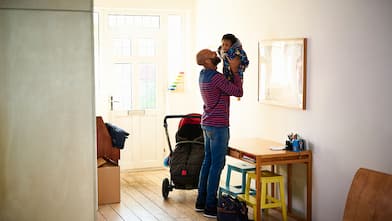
(122, 47)
(122, 79)
(147, 86)
(155, 22)
(146, 47)
(112, 20)
(134, 21)
(138, 21)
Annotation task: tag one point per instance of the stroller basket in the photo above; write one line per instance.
(186, 158)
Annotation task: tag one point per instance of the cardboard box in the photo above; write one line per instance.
(108, 183)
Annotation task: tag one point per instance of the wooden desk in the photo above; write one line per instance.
(259, 151)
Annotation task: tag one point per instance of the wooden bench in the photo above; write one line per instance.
(370, 197)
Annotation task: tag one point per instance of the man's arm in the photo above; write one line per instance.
(232, 89)
(235, 88)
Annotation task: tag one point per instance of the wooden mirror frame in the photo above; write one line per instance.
(282, 72)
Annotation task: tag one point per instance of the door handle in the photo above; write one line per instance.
(111, 102)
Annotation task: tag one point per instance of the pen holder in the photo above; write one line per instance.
(296, 146)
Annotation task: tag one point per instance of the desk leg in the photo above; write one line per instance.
(258, 190)
(309, 189)
(272, 184)
(289, 188)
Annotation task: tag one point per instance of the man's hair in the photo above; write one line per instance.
(230, 37)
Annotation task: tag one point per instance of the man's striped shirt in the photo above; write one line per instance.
(216, 91)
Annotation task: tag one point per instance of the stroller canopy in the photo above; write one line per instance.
(185, 121)
(189, 129)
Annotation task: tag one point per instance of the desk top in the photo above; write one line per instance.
(257, 147)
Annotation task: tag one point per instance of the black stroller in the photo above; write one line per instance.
(186, 158)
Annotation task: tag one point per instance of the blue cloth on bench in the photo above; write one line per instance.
(117, 134)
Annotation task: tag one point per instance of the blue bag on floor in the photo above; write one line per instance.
(231, 209)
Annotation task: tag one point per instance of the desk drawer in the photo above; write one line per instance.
(235, 153)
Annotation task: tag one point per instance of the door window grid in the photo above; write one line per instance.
(147, 86)
(122, 99)
(143, 92)
(146, 47)
(139, 21)
(132, 49)
(122, 47)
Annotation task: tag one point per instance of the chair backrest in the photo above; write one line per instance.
(105, 148)
(370, 197)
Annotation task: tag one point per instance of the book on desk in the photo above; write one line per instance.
(249, 158)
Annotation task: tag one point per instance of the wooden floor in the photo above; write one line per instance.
(141, 199)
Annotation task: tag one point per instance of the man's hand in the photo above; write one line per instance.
(234, 64)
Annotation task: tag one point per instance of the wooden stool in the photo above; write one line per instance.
(242, 168)
(267, 201)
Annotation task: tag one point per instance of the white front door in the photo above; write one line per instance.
(133, 82)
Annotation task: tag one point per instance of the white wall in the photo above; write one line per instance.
(347, 121)
(47, 135)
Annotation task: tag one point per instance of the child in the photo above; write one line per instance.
(230, 48)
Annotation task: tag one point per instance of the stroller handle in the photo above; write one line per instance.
(175, 116)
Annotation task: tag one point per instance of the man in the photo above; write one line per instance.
(216, 91)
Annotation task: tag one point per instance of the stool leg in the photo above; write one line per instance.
(254, 212)
(227, 183)
(264, 191)
(243, 181)
(247, 193)
(247, 186)
(282, 200)
(228, 175)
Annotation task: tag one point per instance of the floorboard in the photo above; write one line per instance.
(141, 199)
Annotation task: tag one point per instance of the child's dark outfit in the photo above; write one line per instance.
(235, 50)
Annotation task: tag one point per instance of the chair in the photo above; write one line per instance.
(267, 201)
(369, 197)
(105, 147)
(240, 167)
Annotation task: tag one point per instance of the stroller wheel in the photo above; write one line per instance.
(165, 188)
